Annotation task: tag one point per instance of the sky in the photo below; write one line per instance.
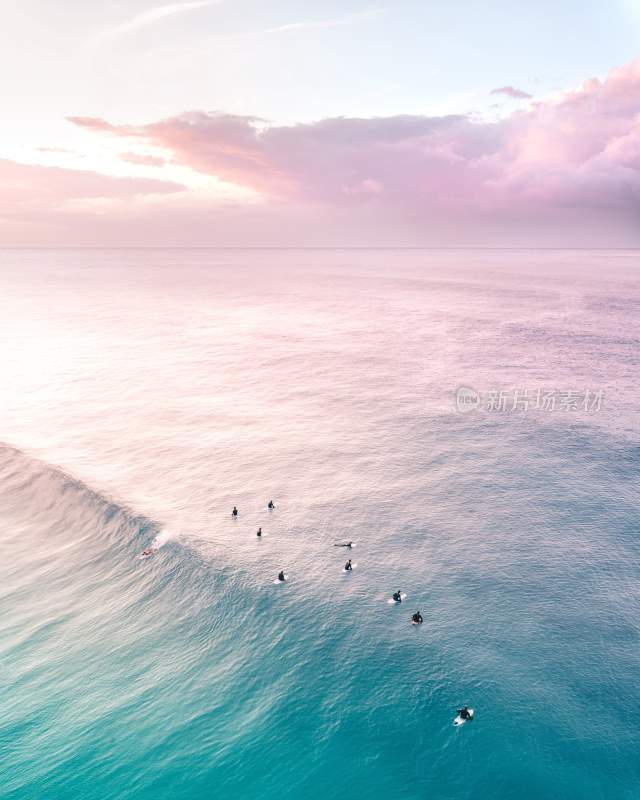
(291, 123)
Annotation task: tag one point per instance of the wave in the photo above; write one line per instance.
(33, 492)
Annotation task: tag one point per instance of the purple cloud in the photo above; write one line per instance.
(567, 164)
(580, 150)
(511, 91)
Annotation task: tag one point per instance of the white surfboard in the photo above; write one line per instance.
(460, 721)
(393, 602)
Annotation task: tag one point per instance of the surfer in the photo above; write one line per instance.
(259, 532)
(464, 712)
(149, 551)
(348, 566)
(397, 596)
(346, 544)
(417, 618)
(234, 513)
(270, 505)
(281, 576)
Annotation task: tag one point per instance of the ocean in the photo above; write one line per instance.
(469, 418)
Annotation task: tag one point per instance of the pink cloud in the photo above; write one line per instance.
(565, 171)
(224, 145)
(54, 150)
(95, 124)
(34, 184)
(35, 200)
(511, 91)
(314, 161)
(143, 160)
(579, 150)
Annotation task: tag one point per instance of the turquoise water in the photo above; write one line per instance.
(147, 392)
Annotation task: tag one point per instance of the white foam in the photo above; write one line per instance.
(161, 539)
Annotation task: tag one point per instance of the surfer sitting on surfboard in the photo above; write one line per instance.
(270, 505)
(464, 712)
(348, 566)
(417, 618)
(234, 513)
(281, 576)
(397, 596)
(259, 532)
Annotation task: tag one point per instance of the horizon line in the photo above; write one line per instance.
(305, 247)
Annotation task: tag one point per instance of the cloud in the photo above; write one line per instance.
(580, 150)
(564, 170)
(143, 160)
(29, 191)
(511, 91)
(153, 15)
(350, 19)
(54, 150)
(96, 124)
